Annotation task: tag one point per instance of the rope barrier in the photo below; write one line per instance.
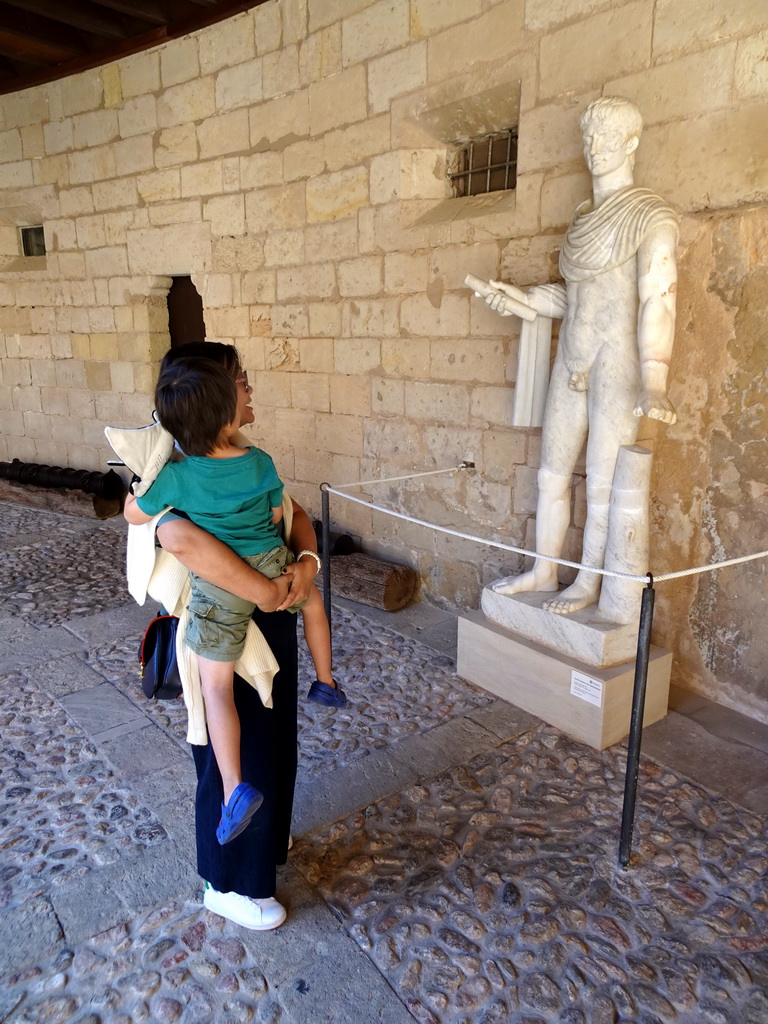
(661, 578)
(709, 568)
(644, 627)
(394, 479)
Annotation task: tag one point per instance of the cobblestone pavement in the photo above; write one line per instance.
(491, 893)
(455, 860)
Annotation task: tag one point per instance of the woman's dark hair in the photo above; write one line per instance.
(194, 399)
(226, 355)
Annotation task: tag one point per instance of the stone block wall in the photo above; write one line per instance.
(293, 161)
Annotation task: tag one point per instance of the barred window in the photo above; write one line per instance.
(32, 241)
(486, 164)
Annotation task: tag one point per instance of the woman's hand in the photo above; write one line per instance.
(300, 576)
(276, 598)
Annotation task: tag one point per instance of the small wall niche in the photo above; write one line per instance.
(456, 121)
(23, 245)
(32, 240)
(479, 131)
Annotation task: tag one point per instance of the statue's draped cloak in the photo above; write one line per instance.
(602, 239)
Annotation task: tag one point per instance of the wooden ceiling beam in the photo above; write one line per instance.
(76, 52)
(80, 15)
(37, 36)
(8, 68)
(37, 52)
(146, 10)
(34, 40)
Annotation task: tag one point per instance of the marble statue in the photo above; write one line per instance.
(618, 312)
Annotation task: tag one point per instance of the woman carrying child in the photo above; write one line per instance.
(234, 494)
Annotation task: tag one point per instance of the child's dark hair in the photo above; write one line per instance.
(194, 399)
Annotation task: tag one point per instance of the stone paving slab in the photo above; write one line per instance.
(504, 720)
(145, 751)
(443, 747)
(128, 619)
(67, 674)
(13, 628)
(153, 877)
(432, 627)
(726, 765)
(24, 646)
(173, 787)
(33, 932)
(117, 893)
(350, 787)
(341, 791)
(99, 709)
(397, 688)
(319, 973)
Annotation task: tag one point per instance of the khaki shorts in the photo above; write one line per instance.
(218, 619)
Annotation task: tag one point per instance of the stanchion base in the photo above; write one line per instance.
(590, 704)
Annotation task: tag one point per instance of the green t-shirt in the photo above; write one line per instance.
(230, 498)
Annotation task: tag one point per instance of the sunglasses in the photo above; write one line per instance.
(243, 379)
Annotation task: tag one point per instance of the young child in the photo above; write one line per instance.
(235, 494)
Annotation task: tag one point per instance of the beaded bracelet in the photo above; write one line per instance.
(314, 554)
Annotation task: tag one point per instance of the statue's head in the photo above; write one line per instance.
(610, 125)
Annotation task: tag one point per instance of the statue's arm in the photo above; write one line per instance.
(657, 286)
(546, 299)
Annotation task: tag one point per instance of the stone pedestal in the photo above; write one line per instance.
(590, 704)
(583, 635)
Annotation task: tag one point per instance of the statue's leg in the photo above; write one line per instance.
(563, 433)
(585, 589)
(612, 424)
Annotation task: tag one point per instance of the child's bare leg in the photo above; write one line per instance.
(318, 636)
(217, 680)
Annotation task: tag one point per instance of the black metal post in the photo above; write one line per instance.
(326, 553)
(636, 726)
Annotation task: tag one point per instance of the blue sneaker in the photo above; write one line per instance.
(331, 696)
(236, 815)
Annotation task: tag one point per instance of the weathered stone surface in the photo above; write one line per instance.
(717, 641)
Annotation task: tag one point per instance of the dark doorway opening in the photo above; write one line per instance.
(185, 312)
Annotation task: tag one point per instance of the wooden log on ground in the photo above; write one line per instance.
(372, 581)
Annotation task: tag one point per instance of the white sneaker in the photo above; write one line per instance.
(259, 915)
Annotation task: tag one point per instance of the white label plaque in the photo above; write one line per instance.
(586, 688)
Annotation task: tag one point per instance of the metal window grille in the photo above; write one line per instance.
(33, 241)
(486, 164)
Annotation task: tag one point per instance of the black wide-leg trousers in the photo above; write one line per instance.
(268, 752)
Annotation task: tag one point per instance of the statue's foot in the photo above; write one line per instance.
(578, 595)
(524, 583)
